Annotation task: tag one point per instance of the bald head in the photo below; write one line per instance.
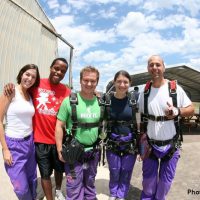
(156, 68)
(156, 57)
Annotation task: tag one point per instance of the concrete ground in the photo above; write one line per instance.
(186, 185)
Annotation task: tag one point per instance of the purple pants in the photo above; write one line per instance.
(120, 168)
(157, 179)
(22, 172)
(83, 187)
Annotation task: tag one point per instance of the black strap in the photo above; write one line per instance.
(72, 171)
(88, 125)
(146, 112)
(73, 102)
(160, 142)
(155, 118)
(173, 95)
(108, 97)
(133, 105)
(118, 123)
(102, 112)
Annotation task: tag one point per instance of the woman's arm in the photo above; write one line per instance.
(4, 104)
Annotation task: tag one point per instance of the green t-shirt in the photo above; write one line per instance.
(88, 111)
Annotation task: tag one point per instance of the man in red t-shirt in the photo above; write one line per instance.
(47, 98)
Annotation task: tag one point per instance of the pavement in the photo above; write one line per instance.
(186, 185)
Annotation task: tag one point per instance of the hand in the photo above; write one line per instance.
(60, 156)
(9, 89)
(171, 112)
(7, 157)
(139, 159)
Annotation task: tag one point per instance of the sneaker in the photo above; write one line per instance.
(59, 195)
(112, 198)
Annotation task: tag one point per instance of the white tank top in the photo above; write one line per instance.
(19, 117)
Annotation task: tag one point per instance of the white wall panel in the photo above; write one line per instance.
(23, 40)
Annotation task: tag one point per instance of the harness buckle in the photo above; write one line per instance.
(160, 118)
(132, 102)
(145, 119)
(172, 91)
(107, 103)
(74, 100)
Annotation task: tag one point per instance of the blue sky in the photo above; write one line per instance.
(121, 34)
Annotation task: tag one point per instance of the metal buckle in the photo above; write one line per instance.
(172, 91)
(74, 101)
(145, 119)
(107, 103)
(132, 102)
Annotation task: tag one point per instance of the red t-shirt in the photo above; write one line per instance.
(47, 99)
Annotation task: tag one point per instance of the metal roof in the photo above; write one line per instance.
(187, 77)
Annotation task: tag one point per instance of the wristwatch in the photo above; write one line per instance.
(176, 111)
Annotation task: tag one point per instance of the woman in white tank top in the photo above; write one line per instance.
(16, 139)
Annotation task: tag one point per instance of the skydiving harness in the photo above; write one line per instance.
(77, 124)
(114, 145)
(178, 138)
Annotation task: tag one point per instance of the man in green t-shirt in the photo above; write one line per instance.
(87, 111)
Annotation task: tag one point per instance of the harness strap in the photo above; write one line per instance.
(76, 124)
(155, 118)
(130, 147)
(146, 95)
(160, 142)
(73, 102)
(132, 103)
(118, 123)
(173, 94)
(88, 125)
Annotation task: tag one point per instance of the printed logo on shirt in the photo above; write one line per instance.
(47, 103)
(88, 114)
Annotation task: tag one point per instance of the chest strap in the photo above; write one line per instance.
(154, 118)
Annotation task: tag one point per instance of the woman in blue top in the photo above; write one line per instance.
(121, 137)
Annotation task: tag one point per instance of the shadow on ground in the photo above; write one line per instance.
(102, 188)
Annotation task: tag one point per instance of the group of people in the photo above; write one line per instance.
(56, 115)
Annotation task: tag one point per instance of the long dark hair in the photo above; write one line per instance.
(24, 69)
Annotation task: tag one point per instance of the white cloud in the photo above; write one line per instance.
(195, 62)
(62, 22)
(81, 36)
(78, 4)
(65, 9)
(99, 56)
(53, 4)
(131, 25)
(193, 6)
(110, 13)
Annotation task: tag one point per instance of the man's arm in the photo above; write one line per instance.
(9, 89)
(187, 111)
(60, 125)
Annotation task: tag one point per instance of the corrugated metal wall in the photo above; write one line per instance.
(24, 39)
